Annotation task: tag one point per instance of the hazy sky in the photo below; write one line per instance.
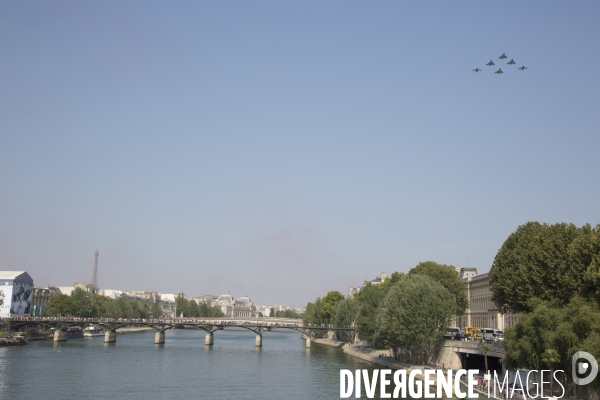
(284, 149)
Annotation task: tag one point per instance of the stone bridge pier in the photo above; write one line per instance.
(60, 336)
(110, 336)
(159, 337)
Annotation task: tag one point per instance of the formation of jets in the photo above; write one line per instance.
(502, 57)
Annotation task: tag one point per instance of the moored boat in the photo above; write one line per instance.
(17, 340)
(74, 333)
(92, 331)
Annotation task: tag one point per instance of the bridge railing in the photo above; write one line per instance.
(177, 321)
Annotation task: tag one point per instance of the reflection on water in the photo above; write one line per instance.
(183, 367)
(136, 368)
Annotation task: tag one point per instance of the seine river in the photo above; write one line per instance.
(183, 368)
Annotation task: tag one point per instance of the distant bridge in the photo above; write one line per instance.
(210, 326)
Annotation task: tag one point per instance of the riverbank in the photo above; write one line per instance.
(383, 358)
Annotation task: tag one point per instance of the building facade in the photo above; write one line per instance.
(40, 299)
(16, 293)
(243, 308)
(482, 312)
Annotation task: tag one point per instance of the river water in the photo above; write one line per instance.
(184, 368)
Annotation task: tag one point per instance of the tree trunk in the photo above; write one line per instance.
(486, 364)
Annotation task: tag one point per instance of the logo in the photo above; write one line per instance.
(581, 368)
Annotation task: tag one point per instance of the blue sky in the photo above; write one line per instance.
(285, 149)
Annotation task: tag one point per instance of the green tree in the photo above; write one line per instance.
(156, 310)
(123, 308)
(550, 325)
(386, 285)
(193, 309)
(550, 357)
(346, 312)
(485, 349)
(313, 314)
(60, 305)
(584, 254)
(85, 304)
(448, 277)
(415, 315)
(106, 306)
(181, 305)
(533, 262)
(329, 302)
(369, 299)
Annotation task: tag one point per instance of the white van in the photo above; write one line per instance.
(487, 334)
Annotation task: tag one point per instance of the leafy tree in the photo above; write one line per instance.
(181, 305)
(584, 254)
(260, 314)
(447, 276)
(415, 314)
(550, 357)
(156, 309)
(193, 309)
(329, 302)
(208, 311)
(288, 314)
(123, 308)
(61, 304)
(346, 312)
(386, 285)
(106, 306)
(314, 313)
(565, 329)
(84, 303)
(534, 261)
(485, 349)
(369, 299)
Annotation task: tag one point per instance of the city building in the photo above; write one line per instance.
(86, 287)
(225, 302)
(66, 289)
(377, 281)
(16, 293)
(482, 312)
(111, 293)
(243, 307)
(40, 299)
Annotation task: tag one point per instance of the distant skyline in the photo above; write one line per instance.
(283, 150)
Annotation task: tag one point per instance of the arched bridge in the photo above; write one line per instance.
(210, 326)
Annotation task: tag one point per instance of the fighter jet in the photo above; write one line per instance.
(490, 63)
(503, 56)
(523, 68)
(511, 62)
(476, 70)
(499, 71)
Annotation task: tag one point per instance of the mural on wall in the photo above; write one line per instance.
(6, 292)
(21, 301)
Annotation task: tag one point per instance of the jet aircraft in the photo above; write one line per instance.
(490, 63)
(476, 70)
(511, 62)
(523, 68)
(503, 56)
(499, 71)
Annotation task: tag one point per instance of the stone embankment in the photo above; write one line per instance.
(384, 358)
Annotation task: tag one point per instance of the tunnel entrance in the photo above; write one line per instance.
(477, 361)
